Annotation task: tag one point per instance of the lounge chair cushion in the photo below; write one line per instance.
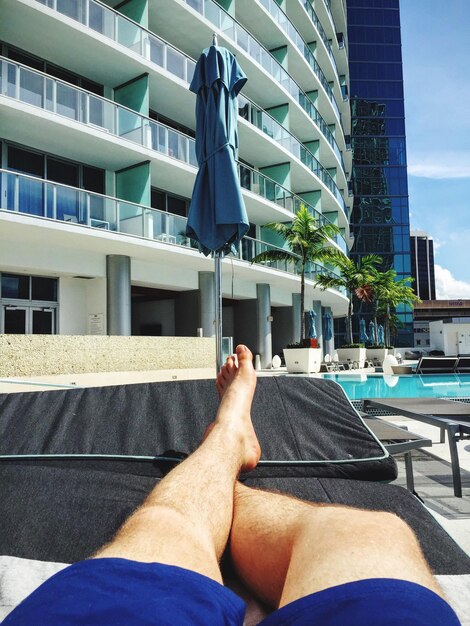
(298, 419)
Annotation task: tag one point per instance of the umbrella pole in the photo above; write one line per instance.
(218, 309)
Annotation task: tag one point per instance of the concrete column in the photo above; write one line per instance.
(295, 317)
(207, 303)
(263, 312)
(118, 294)
(317, 308)
(329, 345)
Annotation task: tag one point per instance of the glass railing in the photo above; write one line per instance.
(257, 116)
(281, 135)
(113, 25)
(321, 31)
(40, 90)
(124, 31)
(266, 187)
(234, 31)
(281, 18)
(41, 198)
(50, 94)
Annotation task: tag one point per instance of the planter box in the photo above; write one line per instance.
(377, 353)
(302, 360)
(352, 354)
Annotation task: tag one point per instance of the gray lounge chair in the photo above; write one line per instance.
(56, 508)
(436, 365)
(463, 365)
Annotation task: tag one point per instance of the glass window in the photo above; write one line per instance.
(26, 59)
(15, 286)
(26, 162)
(93, 179)
(175, 205)
(158, 200)
(44, 288)
(62, 172)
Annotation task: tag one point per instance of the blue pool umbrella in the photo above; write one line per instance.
(380, 335)
(372, 338)
(312, 333)
(217, 217)
(363, 335)
(328, 334)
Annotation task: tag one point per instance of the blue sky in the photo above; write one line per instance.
(436, 65)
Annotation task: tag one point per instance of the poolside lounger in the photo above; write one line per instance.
(436, 365)
(56, 508)
(463, 365)
(448, 415)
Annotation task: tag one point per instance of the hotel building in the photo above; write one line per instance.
(98, 164)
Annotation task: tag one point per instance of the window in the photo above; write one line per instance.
(53, 70)
(164, 201)
(21, 287)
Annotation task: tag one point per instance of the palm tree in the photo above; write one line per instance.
(382, 285)
(307, 241)
(400, 292)
(353, 277)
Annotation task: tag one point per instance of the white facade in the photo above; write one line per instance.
(453, 338)
(97, 157)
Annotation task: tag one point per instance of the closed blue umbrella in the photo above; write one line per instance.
(328, 333)
(312, 333)
(217, 217)
(363, 335)
(372, 337)
(380, 335)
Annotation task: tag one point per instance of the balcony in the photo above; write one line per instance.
(118, 28)
(44, 199)
(40, 90)
(264, 30)
(232, 29)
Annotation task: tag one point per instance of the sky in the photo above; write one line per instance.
(436, 67)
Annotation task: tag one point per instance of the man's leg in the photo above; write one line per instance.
(186, 519)
(285, 549)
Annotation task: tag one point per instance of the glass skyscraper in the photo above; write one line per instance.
(380, 215)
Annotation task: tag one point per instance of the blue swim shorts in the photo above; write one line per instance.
(119, 592)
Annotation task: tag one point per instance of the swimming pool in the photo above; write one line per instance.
(358, 386)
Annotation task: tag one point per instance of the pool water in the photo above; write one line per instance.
(358, 386)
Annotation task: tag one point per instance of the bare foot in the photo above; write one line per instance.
(236, 385)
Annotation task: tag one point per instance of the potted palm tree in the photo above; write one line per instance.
(355, 279)
(307, 241)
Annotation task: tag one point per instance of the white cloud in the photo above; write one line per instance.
(444, 164)
(448, 287)
(439, 169)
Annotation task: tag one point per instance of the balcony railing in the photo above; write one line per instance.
(321, 31)
(283, 21)
(235, 31)
(122, 30)
(113, 25)
(271, 127)
(44, 199)
(258, 183)
(50, 94)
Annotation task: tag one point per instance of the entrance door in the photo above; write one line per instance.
(28, 320)
(14, 320)
(42, 322)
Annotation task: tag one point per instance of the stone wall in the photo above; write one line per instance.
(43, 355)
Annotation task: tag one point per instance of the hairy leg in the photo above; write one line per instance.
(185, 520)
(284, 548)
